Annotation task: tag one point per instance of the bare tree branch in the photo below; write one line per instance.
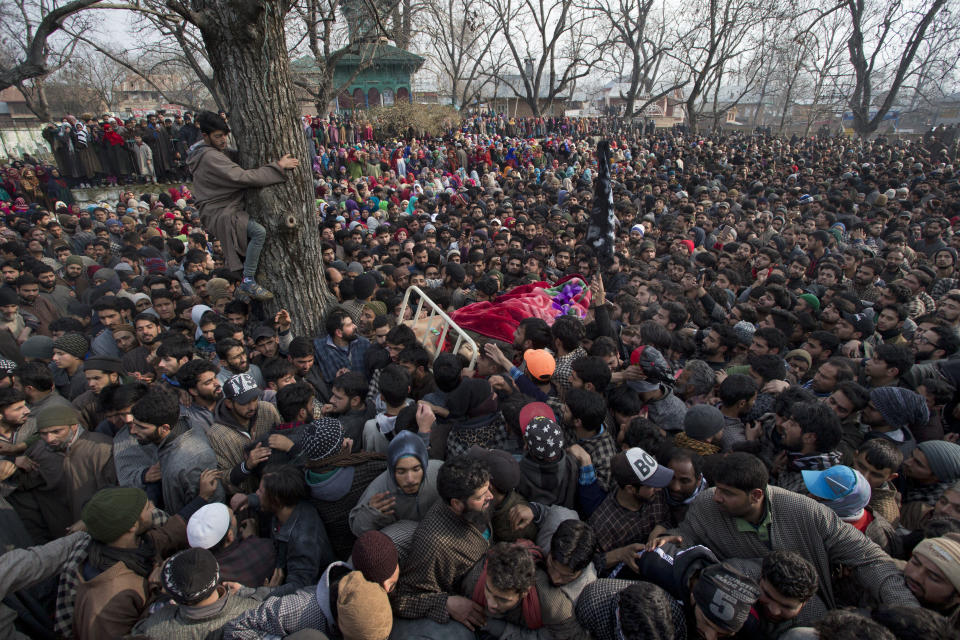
(34, 64)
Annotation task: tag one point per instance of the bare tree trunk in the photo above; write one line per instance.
(693, 118)
(246, 45)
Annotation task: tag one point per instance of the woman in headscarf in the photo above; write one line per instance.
(57, 188)
(204, 347)
(11, 182)
(30, 186)
(405, 491)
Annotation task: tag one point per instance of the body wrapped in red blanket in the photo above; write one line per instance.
(499, 319)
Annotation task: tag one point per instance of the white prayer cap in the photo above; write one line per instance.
(208, 525)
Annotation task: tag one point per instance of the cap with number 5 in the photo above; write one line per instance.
(646, 468)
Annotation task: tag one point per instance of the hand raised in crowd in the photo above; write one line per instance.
(280, 442)
(282, 320)
(493, 352)
(256, 455)
(425, 417)
(580, 455)
(775, 387)
(209, 480)
(851, 348)
(597, 292)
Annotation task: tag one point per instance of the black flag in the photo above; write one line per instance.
(600, 233)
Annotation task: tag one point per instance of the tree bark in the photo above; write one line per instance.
(35, 97)
(247, 50)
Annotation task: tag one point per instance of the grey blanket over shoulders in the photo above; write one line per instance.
(219, 186)
(806, 527)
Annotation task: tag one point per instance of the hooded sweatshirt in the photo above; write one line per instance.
(411, 507)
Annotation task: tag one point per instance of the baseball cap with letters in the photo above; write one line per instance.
(241, 388)
(646, 468)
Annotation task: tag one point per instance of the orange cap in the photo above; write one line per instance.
(540, 364)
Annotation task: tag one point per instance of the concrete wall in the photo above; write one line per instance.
(15, 142)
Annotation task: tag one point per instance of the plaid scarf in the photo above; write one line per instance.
(70, 578)
(815, 462)
(927, 494)
(700, 447)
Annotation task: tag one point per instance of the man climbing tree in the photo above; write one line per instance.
(219, 184)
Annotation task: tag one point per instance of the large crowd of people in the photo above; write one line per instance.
(746, 425)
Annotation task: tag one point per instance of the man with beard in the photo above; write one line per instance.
(532, 333)
(73, 275)
(948, 309)
(809, 437)
(10, 317)
(51, 289)
(688, 479)
(199, 379)
(98, 373)
(630, 514)
(830, 374)
(144, 356)
(514, 269)
(112, 579)
(865, 280)
(929, 472)
(933, 575)
(73, 464)
(890, 414)
(15, 428)
(451, 539)
(184, 452)
(234, 361)
(343, 348)
(32, 303)
(240, 419)
(719, 344)
(935, 343)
